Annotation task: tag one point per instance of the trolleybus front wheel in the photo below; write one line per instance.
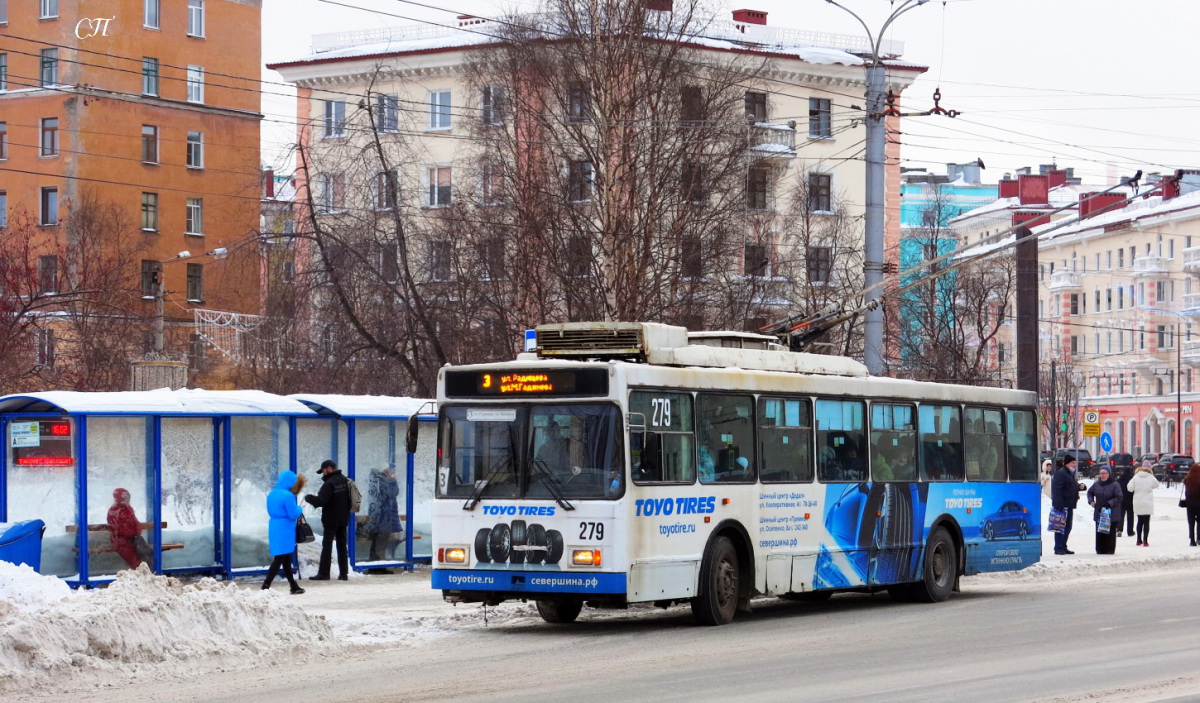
(559, 612)
(717, 597)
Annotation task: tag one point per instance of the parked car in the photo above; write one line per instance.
(1083, 460)
(1172, 467)
(1117, 461)
(1152, 458)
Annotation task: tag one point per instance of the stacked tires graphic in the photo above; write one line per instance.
(518, 543)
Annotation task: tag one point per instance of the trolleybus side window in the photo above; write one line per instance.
(984, 444)
(941, 443)
(665, 452)
(785, 440)
(840, 441)
(725, 438)
(893, 443)
(1022, 446)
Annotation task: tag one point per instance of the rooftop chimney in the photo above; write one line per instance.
(660, 5)
(1008, 188)
(1057, 177)
(1094, 203)
(268, 183)
(1033, 190)
(1029, 219)
(750, 16)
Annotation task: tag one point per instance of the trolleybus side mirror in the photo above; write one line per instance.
(410, 435)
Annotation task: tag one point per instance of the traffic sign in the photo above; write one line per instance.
(1091, 423)
(1106, 441)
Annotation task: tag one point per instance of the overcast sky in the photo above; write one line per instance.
(1104, 86)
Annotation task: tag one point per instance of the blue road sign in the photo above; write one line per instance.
(1106, 441)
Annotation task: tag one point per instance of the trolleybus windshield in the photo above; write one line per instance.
(540, 452)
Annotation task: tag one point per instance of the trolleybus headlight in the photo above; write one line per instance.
(456, 555)
(585, 557)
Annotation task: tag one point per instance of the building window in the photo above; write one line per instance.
(757, 188)
(150, 211)
(441, 254)
(491, 184)
(44, 354)
(3, 209)
(691, 257)
(439, 182)
(49, 75)
(387, 113)
(149, 144)
(756, 107)
(49, 140)
(691, 105)
(819, 118)
(195, 84)
(820, 196)
(579, 256)
(385, 190)
(149, 76)
(151, 270)
(48, 274)
(691, 181)
(195, 216)
(579, 102)
(49, 207)
(580, 176)
(1074, 303)
(3, 140)
(195, 150)
(491, 105)
(330, 193)
(491, 258)
(756, 262)
(195, 283)
(439, 109)
(3, 71)
(335, 119)
(150, 15)
(195, 18)
(819, 264)
(49, 9)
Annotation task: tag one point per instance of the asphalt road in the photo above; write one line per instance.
(1131, 637)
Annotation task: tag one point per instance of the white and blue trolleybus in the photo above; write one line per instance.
(626, 463)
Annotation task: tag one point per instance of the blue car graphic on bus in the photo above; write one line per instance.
(1011, 520)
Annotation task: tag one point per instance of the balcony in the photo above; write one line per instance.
(1191, 260)
(1191, 305)
(773, 141)
(1191, 351)
(1065, 280)
(1150, 266)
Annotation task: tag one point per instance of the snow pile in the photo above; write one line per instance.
(143, 619)
(22, 588)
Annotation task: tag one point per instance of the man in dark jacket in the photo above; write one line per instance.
(1064, 495)
(334, 501)
(1126, 500)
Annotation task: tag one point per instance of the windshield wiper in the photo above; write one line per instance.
(481, 485)
(552, 484)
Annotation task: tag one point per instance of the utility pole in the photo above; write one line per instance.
(1027, 307)
(1053, 406)
(875, 182)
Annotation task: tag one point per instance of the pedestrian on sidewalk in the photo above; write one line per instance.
(1141, 498)
(1124, 478)
(1106, 493)
(1047, 476)
(1064, 495)
(281, 530)
(334, 501)
(1191, 500)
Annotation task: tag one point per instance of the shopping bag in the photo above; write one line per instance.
(304, 531)
(1058, 520)
(1105, 523)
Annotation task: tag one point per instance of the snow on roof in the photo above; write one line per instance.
(1059, 196)
(163, 401)
(1140, 209)
(366, 405)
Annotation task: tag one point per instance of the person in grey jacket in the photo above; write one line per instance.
(1106, 493)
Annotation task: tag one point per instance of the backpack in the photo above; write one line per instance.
(355, 496)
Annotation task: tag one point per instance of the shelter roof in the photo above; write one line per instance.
(163, 401)
(354, 406)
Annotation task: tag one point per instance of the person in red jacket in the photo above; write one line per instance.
(124, 528)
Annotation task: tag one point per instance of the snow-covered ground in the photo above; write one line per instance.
(147, 626)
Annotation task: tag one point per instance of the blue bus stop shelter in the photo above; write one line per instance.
(365, 435)
(197, 466)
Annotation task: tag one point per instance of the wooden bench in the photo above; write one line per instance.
(108, 549)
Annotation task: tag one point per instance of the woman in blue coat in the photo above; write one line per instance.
(282, 507)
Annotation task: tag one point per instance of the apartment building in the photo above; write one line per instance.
(146, 108)
(415, 89)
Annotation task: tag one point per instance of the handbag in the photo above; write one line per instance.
(1182, 499)
(1058, 520)
(1104, 526)
(304, 531)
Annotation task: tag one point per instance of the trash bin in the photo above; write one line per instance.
(21, 542)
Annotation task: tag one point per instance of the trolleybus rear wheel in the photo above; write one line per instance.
(717, 597)
(559, 612)
(941, 569)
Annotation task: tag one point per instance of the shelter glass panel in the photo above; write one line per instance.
(120, 483)
(260, 451)
(41, 486)
(382, 477)
(189, 446)
(316, 441)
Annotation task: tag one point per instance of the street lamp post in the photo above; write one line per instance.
(875, 184)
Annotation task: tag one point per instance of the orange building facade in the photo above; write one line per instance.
(151, 107)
